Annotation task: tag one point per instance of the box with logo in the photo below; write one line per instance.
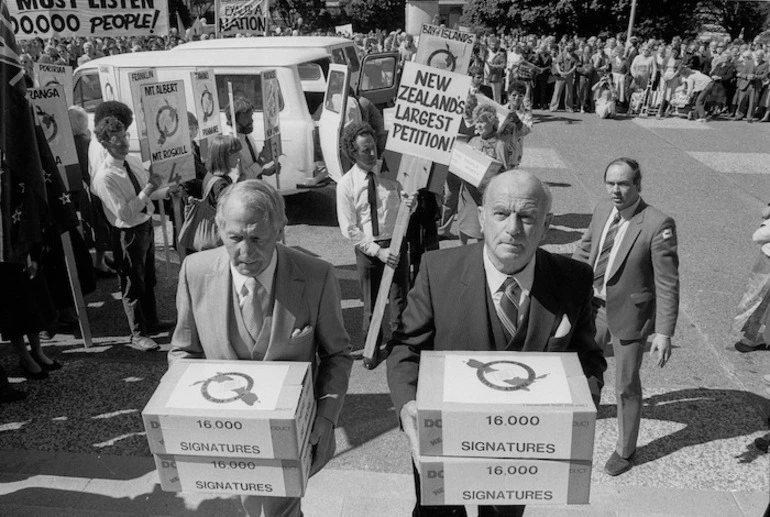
(471, 164)
(235, 476)
(505, 405)
(489, 481)
(233, 409)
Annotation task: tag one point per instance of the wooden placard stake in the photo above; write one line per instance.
(77, 293)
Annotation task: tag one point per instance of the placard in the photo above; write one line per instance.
(108, 83)
(90, 18)
(206, 101)
(165, 113)
(271, 95)
(344, 29)
(429, 108)
(47, 75)
(241, 16)
(471, 164)
(135, 81)
(50, 108)
(446, 49)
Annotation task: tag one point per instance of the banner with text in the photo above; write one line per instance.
(165, 113)
(241, 16)
(52, 75)
(447, 49)
(50, 108)
(204, 87)
(136, 80)
(429, 108)
(271, 94)
(67, 18)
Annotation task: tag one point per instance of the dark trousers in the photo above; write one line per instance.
(459, 511)
(370, 270)
(700, 101)
(135, 260)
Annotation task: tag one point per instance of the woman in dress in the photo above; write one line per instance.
(488, 142)
(752, 314)
(670, 79)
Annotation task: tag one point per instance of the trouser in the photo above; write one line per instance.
(563, 85)
(136, 269)
(628, 383)
(370, 270)
(459, 511)
(497, 91)
(256, 506)
(747, 96)
(584, 93)
(449, 204)
(700, 101)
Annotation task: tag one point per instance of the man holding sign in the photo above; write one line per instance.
(125, 188)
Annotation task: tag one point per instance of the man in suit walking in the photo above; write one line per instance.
(632, 248)
(254, 299)
(500, 294)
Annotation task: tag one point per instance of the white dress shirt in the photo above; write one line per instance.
(122, 206)
(354, 214)
(265, 278)
(495, 280)
(625, 215)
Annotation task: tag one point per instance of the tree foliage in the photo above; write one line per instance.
(654, 18)
(366, 15)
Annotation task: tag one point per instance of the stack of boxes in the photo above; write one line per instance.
(232, 427)
(504, 428)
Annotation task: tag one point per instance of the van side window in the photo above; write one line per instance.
(338, 57)
(378, 73)
(248, 86)
(88, 92)
(355, 64)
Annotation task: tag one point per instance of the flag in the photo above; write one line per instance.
(180, 25)
(22, 191)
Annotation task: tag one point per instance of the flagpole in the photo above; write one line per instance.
(267, 15)
(216, 19)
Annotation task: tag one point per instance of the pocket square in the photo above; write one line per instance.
(564, 327)
(300, 333)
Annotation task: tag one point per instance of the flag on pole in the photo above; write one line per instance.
(23, 198)
(180, 25)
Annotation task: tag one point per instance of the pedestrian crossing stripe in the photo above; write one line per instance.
(671, 123)
(734, 163)
(541, 158)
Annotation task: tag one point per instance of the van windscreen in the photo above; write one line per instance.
(248, 86)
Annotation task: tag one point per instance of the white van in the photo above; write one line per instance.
(242, 66)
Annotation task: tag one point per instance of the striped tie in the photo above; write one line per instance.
(509, 306)
(600, 269)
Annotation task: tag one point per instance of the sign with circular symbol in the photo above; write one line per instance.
(52, 82)
(443, 59)
(48, 123)
(241, 392)
(207, 104)
(505, 375)
(167, 122)
(109, 92)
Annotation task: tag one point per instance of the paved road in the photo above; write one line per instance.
(78, 443)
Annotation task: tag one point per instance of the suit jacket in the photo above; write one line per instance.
(450, 308)
(742, 72)
(643, 284)
(306, 294)
(761, 72)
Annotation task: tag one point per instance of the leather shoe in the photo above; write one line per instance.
(744, 348)
(55, 365)
(143, 344)
(161, 326)
(34, 376)
(617, 465)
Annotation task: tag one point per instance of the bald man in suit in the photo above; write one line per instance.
(255, 299)
(632, 248)
(457, 303)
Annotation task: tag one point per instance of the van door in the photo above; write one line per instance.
(379, 79)
(333, 118)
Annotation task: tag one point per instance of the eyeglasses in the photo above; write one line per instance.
(115, 139)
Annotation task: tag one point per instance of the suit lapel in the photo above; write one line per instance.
(288, 289)
(632, 232)
(479, 322)
(598, 221)
(219, 294)
(542, 306)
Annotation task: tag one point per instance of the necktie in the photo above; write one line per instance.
(253, 306)
(134, 182)
(372, 191)
(600, 269)
(509, 306)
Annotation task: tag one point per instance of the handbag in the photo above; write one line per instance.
(199, 231)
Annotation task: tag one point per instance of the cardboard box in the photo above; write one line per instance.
(235, 409)
(234, 476)
(472, 165)
(485, 481)
(505, 405)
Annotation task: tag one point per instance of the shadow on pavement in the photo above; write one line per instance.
(708, 415)
(314, 208)
(366, 416)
